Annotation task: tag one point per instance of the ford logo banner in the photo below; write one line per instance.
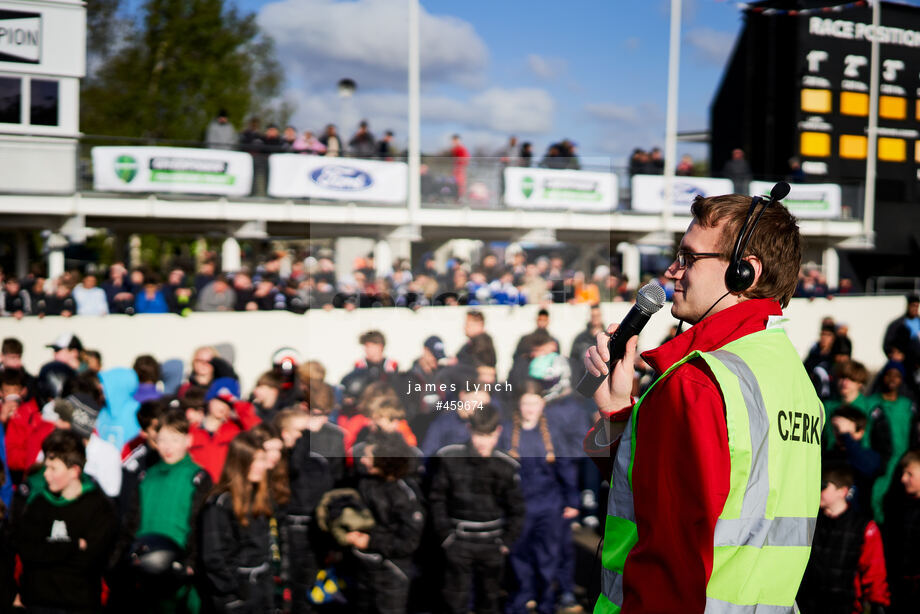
(343, 178)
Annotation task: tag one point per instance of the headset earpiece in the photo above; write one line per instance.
(739, 276)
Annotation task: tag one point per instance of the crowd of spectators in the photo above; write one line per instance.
(423, 487)
(281, 282)
(866, 549)
(452, 476)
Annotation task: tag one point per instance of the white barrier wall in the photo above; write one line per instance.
(332, 337)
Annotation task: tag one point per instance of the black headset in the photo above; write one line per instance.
(739, 276)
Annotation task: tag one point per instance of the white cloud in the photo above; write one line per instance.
(321, 41)
(712, 46)
(609, 111)
(546, 68)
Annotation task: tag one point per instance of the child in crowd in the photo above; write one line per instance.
(148, 375)
(140, 453)
(387, 416)
(310, 478)
(226, 417)
(266, 395)
(898, 411)
(235, 540)
(851, 378)
(477, 510)
(384, 553)
(78, 413)
(847, 563)
(64, 531)
(550, 486)
(279, 488)
(325, 437)
(194, 404)
(849, 427)
(902, 535)
(22, 421)
(165, 504)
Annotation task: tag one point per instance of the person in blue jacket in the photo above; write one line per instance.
(549, 483)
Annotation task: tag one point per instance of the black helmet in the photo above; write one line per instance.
(157, 555)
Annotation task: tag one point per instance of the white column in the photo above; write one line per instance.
(631, 268)
(415, 180)
(670, 133)
(134, 252)
(383, 258)
(831, 263)
(55, 245)
(230, 256)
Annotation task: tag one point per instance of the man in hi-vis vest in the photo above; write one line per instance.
(716, 470)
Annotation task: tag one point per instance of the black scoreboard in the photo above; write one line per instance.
(798, 85)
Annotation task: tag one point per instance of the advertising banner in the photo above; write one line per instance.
(172, 169)
(43, 38)
(351, 179)
(648, 192)
(807, 200)
(543, 188)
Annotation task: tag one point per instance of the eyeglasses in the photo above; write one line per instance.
(685, 258)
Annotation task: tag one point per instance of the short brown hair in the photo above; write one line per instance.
(173, 418)
(776, 241)
(311, 370)
(475, 314)
(283, 418)
(147, 369)
(67, 446)
(322, 397)
(387, 409)
(372, 336)
(855, 371)
(12, 345)
(269, 379)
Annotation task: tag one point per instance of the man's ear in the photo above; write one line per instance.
(755, 262)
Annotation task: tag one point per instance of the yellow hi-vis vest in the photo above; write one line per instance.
(763, 536)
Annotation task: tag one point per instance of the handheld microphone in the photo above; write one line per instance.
(649, 300)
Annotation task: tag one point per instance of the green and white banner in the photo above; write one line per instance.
(807, 200)
(172, 169)
(543, 188)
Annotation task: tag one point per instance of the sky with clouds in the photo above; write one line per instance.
(594, 71)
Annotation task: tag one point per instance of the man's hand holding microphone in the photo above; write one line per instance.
(616, 350)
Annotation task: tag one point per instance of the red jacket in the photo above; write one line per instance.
(209, 450)
(871, 578)
(681, 468)
(25, 432)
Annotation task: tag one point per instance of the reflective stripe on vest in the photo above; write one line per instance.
(758, 555)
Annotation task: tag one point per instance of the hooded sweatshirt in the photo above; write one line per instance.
(117, 421)
(56, 572)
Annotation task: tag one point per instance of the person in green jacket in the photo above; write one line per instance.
(851, 377)
(164, 516)
(899, 411)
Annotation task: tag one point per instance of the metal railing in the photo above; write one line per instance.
(481, 185)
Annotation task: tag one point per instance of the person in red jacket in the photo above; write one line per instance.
(226, 417)
(681, 471)
(461, 156)
(847, 563)
(22, 419)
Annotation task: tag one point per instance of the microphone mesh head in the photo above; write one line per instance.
(650, 298)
